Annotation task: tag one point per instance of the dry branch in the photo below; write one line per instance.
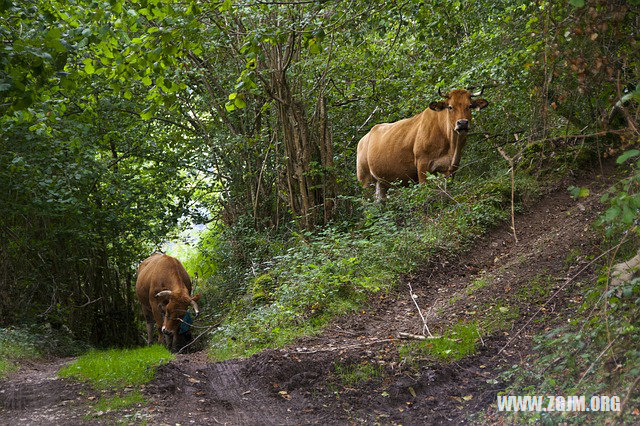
(424, 321)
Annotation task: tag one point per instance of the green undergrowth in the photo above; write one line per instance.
(595, 352)
(118, 367)
(18, 344)
(334, 270)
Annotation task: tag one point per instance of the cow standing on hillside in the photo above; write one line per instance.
(164, 290)
(430, 142)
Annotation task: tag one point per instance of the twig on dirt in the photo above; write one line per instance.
(194, 340)
(569, 280)
(512, 171)
(480, 336)
(424, 321)
(409, 336)
(596, 360)
(338, 348)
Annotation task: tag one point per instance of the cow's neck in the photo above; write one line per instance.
(456, 143)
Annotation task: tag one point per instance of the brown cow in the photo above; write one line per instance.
(164, 290)
(429, 142)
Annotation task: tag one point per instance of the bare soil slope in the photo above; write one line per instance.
(495, 278)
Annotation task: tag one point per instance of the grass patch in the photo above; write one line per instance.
(118, 367)
(454, 344)
(118, 402)
(354, 374)
(499, 316)
(6, 367)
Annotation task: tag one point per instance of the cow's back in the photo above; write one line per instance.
(160, 272)
(390, 151)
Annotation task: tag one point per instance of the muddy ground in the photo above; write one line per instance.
(299, 384)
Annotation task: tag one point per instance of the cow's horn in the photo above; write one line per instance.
(440, 94)
(164, 293)
(478, 93)
(195, 307)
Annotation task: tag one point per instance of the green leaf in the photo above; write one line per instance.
(146, 80)
(577, 192)
(612, 214)
(226, 5)
(146, 115)
(628, 215)
(88, 67)
(624, 157)
(576, 3)
(239, 103)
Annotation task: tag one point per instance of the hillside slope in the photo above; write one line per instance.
(359, 370)
(497, 285)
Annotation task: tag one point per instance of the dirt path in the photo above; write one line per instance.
(299, 385)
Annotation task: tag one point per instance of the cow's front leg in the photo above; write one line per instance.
(423, 169)
(174, 342)
(381, 191)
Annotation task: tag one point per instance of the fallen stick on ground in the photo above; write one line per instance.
(409, 336)
(338, 348)
(424, 321)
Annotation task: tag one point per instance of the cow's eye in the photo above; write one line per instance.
(450, 107)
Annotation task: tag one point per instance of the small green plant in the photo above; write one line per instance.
(454, 344)
(118, 402)
(6, 367)
(477, 285)
(117, 367)
(537, 289)
(354, 374)
(499, 316)
(572, 257)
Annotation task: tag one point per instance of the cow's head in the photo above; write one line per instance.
(174, 306)
(458, 105)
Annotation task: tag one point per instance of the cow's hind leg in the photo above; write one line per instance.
(148, 318)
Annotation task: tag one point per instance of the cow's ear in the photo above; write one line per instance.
(196, 298)
(479, 104)
(438, 106)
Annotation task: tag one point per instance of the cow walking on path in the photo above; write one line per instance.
(164, 290)
(430, 142)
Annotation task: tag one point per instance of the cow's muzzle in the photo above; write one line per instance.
(462, 126)
(166, 331)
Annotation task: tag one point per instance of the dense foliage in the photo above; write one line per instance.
(124, 120)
